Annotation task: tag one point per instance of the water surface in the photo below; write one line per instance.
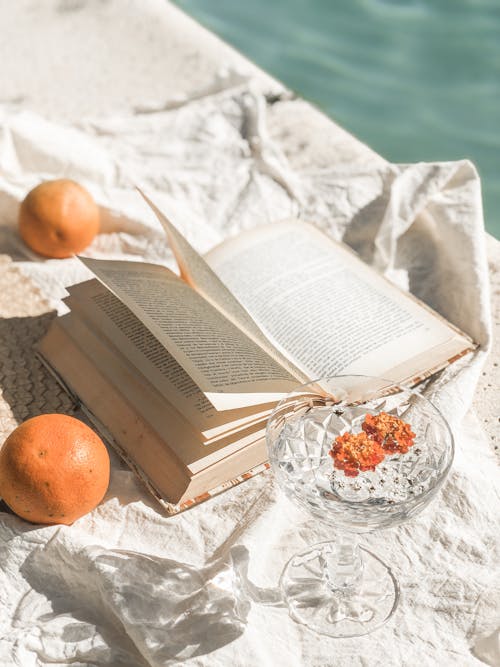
(415, 79)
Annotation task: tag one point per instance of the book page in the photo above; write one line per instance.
(231, 369)
(327, 309)
(195, 271)
(122, 330)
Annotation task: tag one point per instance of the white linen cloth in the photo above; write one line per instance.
(126, 585)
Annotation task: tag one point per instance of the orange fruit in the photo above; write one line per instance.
(58, 218)
(53, 469)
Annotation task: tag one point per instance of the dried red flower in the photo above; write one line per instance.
(355, 453)
(393, 434)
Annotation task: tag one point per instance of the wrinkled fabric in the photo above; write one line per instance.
(127, 585)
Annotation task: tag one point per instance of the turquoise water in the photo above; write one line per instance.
(416, 80)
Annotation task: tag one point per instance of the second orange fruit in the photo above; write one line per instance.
(53, 469)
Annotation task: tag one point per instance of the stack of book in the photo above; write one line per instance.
(180, 372)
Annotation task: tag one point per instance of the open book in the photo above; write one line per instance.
(181, 372)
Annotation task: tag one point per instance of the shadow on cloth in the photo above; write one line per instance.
(27, 387)
(169, 610)
(12, 245)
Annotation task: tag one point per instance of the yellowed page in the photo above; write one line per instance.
(111, 319)
(230, 368)
(326, 309)
(196, 272)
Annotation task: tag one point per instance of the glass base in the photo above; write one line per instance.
(349, 611)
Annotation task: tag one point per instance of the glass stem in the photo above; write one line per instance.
(343, 566)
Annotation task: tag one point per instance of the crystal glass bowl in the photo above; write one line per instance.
(329, 586)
